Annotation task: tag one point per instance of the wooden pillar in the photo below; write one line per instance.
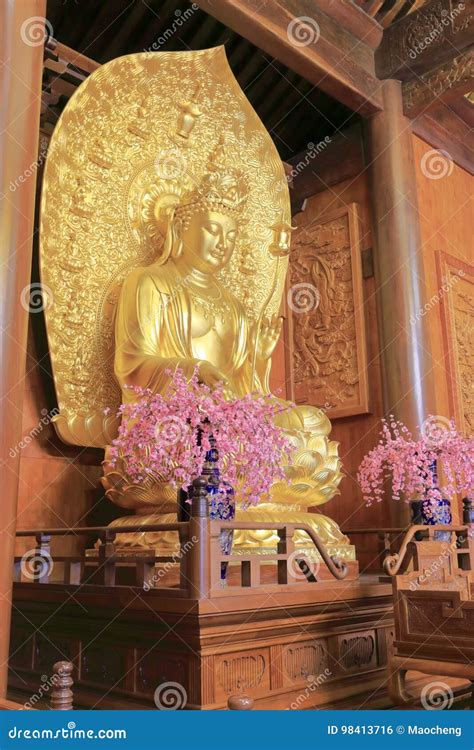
(407, 372)
(21, 44)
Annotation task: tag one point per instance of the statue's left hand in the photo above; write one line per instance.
(270, 330)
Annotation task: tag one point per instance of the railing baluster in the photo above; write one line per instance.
(107, 562)
(61, 694)
(282, 566)
(42, 553)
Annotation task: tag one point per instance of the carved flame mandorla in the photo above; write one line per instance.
(136, 134)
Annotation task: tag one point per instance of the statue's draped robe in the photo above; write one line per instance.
(154, 337)
(153, 332)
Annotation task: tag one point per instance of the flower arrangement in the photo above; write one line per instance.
(167, 437)
(409, 462)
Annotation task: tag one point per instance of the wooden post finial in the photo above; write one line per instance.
(62, 695)
(240, 703)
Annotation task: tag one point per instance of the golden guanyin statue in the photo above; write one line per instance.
(185, 247)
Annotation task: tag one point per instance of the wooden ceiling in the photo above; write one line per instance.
(293, 110)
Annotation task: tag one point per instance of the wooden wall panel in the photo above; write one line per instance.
(456, 280)
(325, 309)
(58, 483)
(356, 434)
(445, 200)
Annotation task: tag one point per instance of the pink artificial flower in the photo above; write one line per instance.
(158, 437)
(408, 463)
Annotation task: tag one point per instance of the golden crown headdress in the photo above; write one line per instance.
(222, 187)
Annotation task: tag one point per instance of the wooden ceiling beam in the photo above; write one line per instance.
(447, 82)
(435, 33)
(445, 130)
(309, 42)
(353, 18)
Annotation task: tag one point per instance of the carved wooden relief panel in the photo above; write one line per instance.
(456, 284)
(326, 315)
(358, 650)
(304, 660)
(242, 672)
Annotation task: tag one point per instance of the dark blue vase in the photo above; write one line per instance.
(221, 506)
(433, 514)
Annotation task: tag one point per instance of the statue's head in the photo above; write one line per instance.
(204, 225)
(207, 238)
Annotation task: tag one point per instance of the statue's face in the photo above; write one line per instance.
(209, 240)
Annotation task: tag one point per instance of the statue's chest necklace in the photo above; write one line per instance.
(209, 313)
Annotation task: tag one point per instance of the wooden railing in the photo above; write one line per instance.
(394, 563)
(199, 559)
(373, 545)
(61, 694)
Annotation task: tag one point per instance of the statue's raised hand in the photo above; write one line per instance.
(267, 337)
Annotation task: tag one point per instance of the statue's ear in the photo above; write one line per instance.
(173, 247)
(176, 241)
